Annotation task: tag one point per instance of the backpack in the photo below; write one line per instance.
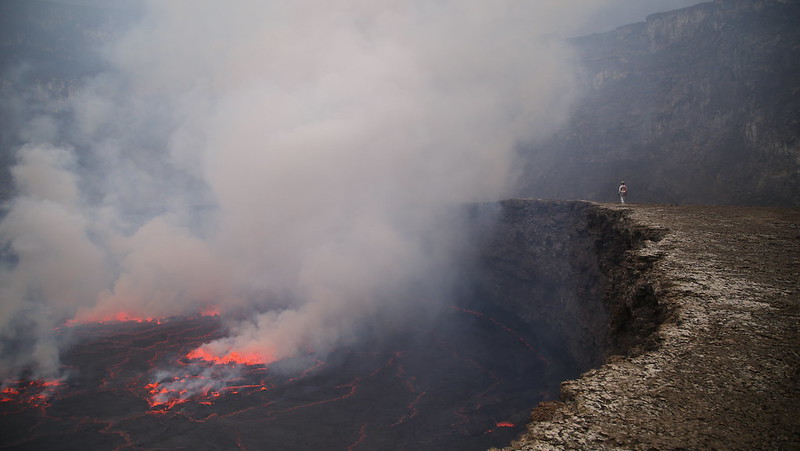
(623, 190)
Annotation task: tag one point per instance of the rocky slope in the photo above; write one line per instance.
(721, 371)
(698, 105)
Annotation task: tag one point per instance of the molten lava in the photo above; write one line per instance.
(166, 395)
(441, 386)
(211, 310)
(32, 393)
(235, 357)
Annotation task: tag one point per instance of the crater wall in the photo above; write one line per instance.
(565, 269)
(724, 372)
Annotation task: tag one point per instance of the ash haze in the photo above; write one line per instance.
(293, 160)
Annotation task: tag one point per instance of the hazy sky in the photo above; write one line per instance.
(288, 159)
(623, 12)
(603, 15)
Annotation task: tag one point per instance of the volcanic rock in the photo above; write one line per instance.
(721, 371)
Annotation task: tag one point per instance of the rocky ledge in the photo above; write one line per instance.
(721, 371)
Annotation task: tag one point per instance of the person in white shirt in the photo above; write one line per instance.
(623, 191)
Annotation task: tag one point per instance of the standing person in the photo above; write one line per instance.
(623, 191)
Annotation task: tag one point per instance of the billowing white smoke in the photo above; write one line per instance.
(287, 157)
(59, 269)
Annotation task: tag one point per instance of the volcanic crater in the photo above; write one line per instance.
(545, 298)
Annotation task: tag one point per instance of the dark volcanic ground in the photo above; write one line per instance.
(466, 381)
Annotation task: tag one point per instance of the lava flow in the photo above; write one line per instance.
(199, 383)
(242, 358)
(465, 382)
(34, 393)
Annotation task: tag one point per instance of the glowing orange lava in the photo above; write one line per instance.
(8, 394)
(35, 393)
(211, 310)
(240, 358)
(124, 316)
(160, 397)
(202, 389)
(505, 424)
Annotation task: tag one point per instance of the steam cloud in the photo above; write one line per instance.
(287, 159)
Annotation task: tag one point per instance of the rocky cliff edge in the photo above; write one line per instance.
(724, 372)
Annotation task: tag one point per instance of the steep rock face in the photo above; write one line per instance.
(565, 270)
(724, 373)
(698, 105)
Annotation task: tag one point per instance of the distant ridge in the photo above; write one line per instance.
(700, 105)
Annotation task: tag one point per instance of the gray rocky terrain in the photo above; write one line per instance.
(721, 372)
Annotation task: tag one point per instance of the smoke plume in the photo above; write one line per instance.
(287, 161)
